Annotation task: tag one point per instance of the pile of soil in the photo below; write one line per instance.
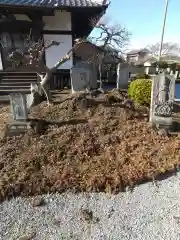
(4, 115)
(97, 146)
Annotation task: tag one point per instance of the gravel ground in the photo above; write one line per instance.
(149, 212)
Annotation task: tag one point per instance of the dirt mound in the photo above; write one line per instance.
(4, 115)
(112, 148)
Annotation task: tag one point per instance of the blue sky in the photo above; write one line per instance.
(143, 18)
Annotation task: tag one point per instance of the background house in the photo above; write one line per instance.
(136, 55)
(143, 61)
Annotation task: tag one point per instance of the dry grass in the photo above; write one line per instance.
(113, 149)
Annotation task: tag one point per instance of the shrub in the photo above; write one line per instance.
(140, 91)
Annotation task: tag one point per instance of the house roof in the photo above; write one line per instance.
(111, 51)
(109, 57)
(169, 58)
(136, 51)
(53, 3)
(150, 59)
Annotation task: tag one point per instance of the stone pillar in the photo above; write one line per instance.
(162, 98)
(19, 106)
(153, 96)
(83, 75)
(122, 75)
(147, 70)
(176, 74)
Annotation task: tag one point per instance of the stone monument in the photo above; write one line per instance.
(162, 99)
(122, 75)
(80, 79)
(83, 76)
(19, 123)
(19, 106)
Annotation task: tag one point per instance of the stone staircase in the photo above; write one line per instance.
(13, 82)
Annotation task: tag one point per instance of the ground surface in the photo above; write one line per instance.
(4, 115)
(102, 147)
(149, 213)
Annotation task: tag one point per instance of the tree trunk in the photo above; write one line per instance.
(41, 90)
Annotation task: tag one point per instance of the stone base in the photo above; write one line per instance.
(16, 128)
(162, 122)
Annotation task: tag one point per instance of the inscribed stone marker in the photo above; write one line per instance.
(19, 123)
(162, 98)
(19, 106)
(122, 75)
(80, 79)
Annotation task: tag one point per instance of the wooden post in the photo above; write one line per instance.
(153, 93)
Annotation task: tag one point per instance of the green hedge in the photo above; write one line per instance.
(140, 91)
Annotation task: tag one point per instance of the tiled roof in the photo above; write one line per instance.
(150, 59)
(136, 51)
(133, 52)
(53, 3)
(169, 58)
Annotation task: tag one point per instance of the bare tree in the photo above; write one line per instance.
(167, 48)
(169, 54)
(112, 39)
(114, 36)
(35, 57)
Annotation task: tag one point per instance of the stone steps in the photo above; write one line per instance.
(15, 90)
(12, 82)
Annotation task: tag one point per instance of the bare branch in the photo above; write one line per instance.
(114, 35)
(35, 56)
(167, 48)
(41, 49)
(52, 43)
(60, 62)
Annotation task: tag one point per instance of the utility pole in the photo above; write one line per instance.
(163, 28)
